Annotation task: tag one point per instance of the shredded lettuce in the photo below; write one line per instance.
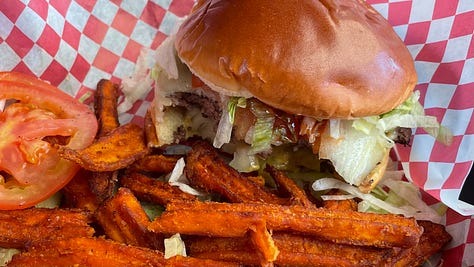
(409, 114)
(244, 159)
(335, 128)
(337, 197)
(82, 99)
(356, 146)
(174, 246)
(226, 122)
(178, 178)
(331, 183)
(6, 255)
(401, 198)
(224, 128)
(52, 202)
(355, 154)
(263, 128)
(152, 210)
(139, 84)
(235, 102)
(403, 193)
(409, 106)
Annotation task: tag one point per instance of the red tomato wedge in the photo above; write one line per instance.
(30, 168)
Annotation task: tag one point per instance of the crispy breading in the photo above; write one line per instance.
(434, 238)
(233, 220)
(105, 106)
(78, 194)
(155, 163)
(102, 252)
(18, 228)
(124, 220)
(117, 150)
(289, 187)
(294, 250)
(207, 171)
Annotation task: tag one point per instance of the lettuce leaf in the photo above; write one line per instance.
(356, 146)
(178, 178)
(226, 122)
(355, 154)
(263, 128)
(174, 246)
(401, 198)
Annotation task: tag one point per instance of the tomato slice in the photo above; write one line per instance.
(30, 168)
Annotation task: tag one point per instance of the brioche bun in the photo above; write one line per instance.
(323, 59)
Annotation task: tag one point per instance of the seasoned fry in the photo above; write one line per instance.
(295, 250)
(103, 184)
(234, 220)
(152, 190)
(78, 194)
(287, 186)
(263, 242)
(155, 163)
(101, 252)
(344, 204)
(234, 249)
(310, 251)
(206, 170)
(18, 228)
(124, 220)
(115, 151)
(434, 238)
(105, 106)
(150, 131)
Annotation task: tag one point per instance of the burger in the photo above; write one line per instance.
(265, 80)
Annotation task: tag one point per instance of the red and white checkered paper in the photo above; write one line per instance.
(75, 43)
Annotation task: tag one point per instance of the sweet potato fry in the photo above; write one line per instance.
(155, 163)
(105, 106)
(342, 204)
(78, 194)
(294, 250)
(150, 131)
(103, 184)
(115, 151)
(434, 238)
(206, 170)
(18, 228)
(347, 204)
(234, 249)
(124, 220)
(234, 220)
(101, 252)
(153, 190)
(289, 187)
(261, 240)
(310, 251)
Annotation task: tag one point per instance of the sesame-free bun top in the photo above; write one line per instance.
(323, 59)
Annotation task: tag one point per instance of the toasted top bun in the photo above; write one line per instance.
(323, 59)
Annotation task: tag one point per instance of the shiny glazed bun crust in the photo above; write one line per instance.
(324, 59)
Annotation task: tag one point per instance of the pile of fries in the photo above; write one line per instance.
(102, 222)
